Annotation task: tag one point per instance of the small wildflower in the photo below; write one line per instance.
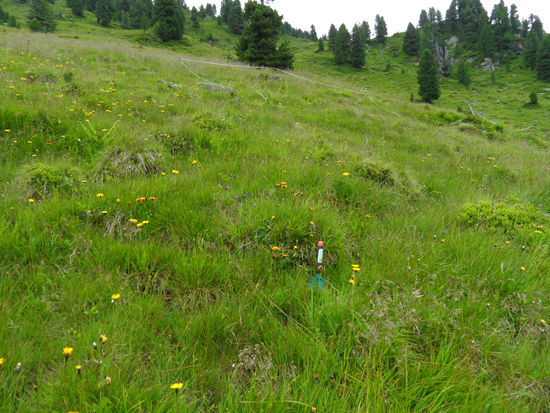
(31, 201)
(118, 200)
(163, 174)
(104, 212)
(275, 249)
(295, 247)
(94, 344)
(115, 297)
(78, 369)
(522, 268)
(17, 368)
(176, 387)
(175, 172)
(346, 173)
(541, 320)
(2, 361)
(103, 338)
(108, 380)
(67, 351)
(133, 220)
(443, 240)
(194, 162)
(100, 195)
(351, 281)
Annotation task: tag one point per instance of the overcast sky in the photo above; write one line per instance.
(302, 14)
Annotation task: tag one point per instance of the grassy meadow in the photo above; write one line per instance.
(158, 235)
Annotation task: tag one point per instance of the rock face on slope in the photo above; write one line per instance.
(488, 65)
(443, 58)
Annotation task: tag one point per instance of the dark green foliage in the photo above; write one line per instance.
(486, 42)
(313, 34)
(381, 29)
(533, 98)
(463, 74)
(366, 30)
(169, 20)
(90, 5)
(428, 81)
(543, 59)
(321, 45)
(34, 25)
(493, 77)
(357, 47)
(12, 22)
(235, 18)
(423, 20)
(140, 15)
(536, 26)
(515, 24)
(42, 12)
(411, 97)
(524, 30)
(451, 18)
(530, 50)
(77, 7)
(219, 20)
(258, 43)
(195, 18)
(332, 37)
(501, 27)
(411, 41)
(342, 46)
(104, 11)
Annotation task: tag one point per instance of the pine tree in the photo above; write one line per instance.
(321, 45)
(342, 46)
(77, 7)
(43, 13)
(235, 18)
(225, 9)
(514, 20)
(104, 11)
(428, 81)
(501, 24)
(463, 74)
(258, 43)
(411, 41)
(168, 20)
(486, 42)
(451, 18)
(357, 47)
(530, 50)
(381, 29)
(332, 37)
(195, 18)
(536, 26)
(423, 20)
(366, 30)
(543, 60)
(313, 34)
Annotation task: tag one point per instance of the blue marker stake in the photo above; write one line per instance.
(318, 283)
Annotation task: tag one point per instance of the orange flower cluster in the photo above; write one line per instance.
(281, 184)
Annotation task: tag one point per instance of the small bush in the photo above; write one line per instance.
(377, 172)
(533, 99)
(207, 122)
(42, 180)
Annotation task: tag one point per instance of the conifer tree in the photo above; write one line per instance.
(43, 13)
(77, 7)
(486, 42)
(332, 37)
(411, 41)
(357, 47)
(536, 26)
(428, 81)
(524, 30)
(321, 44)
(366, 30)
(342, 46)
(195, 18)
(501, 25)
(463, 74)
(423, 20)
(451, 18)
(168, 19)
(381, 29)
(515, 25)
(235, 18)
(543, 60)
(104, 11)
(313, 34)
(530, 50)
(258, 43)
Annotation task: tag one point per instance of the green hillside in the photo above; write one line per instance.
(155, 232)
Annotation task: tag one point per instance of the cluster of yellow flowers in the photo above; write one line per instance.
(355, 268)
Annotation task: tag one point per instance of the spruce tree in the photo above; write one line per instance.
(235, 18)
(258, 43)
(381, 29)
(366, 30)
(195, 18)
(313, 34)
(357, 47)
(411, 41)
(321, 45)
(104, 11)
(486, 42)
(530, 50)
(543, 60)
(332, 37)
(451, 18)
(536, 26)
(501, 25)
(428, 81)
(168, 20)
(77, 7)
(43, 13)
(463, 74)
(514, 20)
(342, 46)
(423, 20)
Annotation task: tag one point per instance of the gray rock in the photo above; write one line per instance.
(216, 88)
(273, 78)
(488, 65)
(452, 41)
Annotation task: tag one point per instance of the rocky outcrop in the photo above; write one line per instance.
(488, 65)
(517, 47)
(452, 41)
(443, 58)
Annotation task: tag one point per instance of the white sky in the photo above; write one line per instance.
(302, 14)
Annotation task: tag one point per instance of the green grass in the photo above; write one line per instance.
(445, 314)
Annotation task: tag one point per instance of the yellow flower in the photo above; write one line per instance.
(175, 172)
(78, 368)
(145, 222)
(163, 174)
(115, 296)
(7, 130)
(133, 220)
(522, 268)
(67, 351)
(346, 173)
(176, 387)
(442, 240)
(1, 361)
(100, 195)
(31, 201)
(351, 281)
(84, 181)
(103, 212)
(108, 380)
(103, 338)
(275, 249)
(356, 269)
(542, 321)
(194, 162)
